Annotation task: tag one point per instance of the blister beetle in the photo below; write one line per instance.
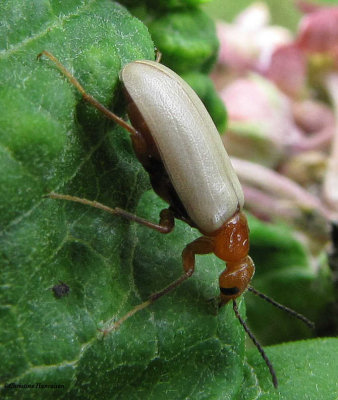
(177, 143)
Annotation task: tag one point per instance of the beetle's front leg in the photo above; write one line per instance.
(202, 245)
(166, 224)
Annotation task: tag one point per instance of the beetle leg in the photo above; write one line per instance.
(166, 224)
(158, 55)
(202, 245)
(90, 99)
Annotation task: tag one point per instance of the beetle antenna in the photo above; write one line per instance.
(294, 313)
(257, 344)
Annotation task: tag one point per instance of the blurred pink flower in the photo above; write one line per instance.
(275, 119)
(261, 123)
(287, 69)
(265, 126)
(318, 31)
(249, 41)
(307, 7)
(318, 39)
(316, 42)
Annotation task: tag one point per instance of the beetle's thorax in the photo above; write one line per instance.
(231, 241)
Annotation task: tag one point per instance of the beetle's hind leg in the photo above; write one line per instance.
(90, 99)
(202, 245)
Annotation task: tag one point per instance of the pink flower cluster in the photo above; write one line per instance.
(281, 93)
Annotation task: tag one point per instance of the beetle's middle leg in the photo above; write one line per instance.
(202, 245)
(165, 225)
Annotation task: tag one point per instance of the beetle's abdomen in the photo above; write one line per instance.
(188, 142)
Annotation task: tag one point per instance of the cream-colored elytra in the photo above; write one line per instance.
(188, 141)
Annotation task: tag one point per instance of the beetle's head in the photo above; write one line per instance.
(234, 280)
(231, 244)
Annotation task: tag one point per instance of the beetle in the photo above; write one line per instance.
(177, 143)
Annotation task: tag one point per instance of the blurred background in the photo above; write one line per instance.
(277, 76)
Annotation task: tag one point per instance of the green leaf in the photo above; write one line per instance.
(165, 4)
(306, 370)
(187, 39)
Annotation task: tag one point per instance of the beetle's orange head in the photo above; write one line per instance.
(234, 280)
